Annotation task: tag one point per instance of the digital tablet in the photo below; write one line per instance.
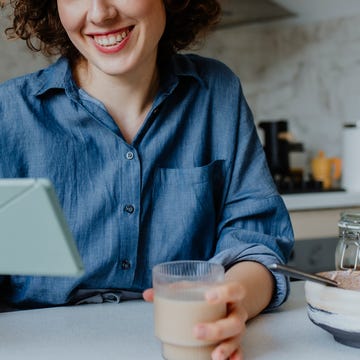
(34, 236)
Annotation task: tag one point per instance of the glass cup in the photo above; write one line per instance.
(179, 304)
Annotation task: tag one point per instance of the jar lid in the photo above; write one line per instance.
(349, 220)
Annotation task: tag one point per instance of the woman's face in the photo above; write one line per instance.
(115, 36)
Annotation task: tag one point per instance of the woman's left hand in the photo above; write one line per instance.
(228, 331)
(248, 289)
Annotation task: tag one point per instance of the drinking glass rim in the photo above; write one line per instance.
(157, 268)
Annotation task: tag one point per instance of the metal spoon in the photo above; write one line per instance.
(297, 274)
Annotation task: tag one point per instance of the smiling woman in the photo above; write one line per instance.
(93, 27)
(154, 156)
(39, 24)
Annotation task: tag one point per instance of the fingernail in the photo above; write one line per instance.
(200, 332)
(219, 355)
(212, 295)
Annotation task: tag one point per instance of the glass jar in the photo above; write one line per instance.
(348, 247)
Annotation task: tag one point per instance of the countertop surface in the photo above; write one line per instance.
(125, 331)
(322, 200)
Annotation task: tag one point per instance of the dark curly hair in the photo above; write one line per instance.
(38, 23)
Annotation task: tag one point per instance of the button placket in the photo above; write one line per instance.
(129, 203)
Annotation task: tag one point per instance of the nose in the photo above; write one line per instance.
(101, 11)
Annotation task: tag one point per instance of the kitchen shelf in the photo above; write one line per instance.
(322, 200)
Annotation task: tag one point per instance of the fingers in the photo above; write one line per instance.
(228, 331)
(232, 326)
(229, 292)
(237, 355)
(228, 350)
(148, 295)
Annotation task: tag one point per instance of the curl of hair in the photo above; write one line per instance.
(187, 22)
(38, 23)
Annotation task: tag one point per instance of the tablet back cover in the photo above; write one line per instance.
(34, 236)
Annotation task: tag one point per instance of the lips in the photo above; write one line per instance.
(113, 38)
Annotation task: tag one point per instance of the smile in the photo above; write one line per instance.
(112, 39)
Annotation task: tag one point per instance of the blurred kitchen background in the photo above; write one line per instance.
(299, 64)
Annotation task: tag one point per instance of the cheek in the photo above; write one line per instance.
(152, 10)
(157, 17)
(68, 15)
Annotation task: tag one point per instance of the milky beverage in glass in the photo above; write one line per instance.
(179, 304)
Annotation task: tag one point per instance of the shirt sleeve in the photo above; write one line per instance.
(254, 223)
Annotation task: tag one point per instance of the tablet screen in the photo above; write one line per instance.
(34, 236)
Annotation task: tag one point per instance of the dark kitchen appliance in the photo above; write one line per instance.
(278, 145)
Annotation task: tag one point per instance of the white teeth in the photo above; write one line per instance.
(112, 39)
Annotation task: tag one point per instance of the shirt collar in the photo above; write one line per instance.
(56, 76)
(181, 66)
(59, 75)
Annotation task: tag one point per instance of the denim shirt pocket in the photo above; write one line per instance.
(185, 207)
(188, 176)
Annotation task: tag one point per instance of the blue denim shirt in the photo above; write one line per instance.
(193, 184)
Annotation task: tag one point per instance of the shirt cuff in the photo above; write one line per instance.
(282, 284)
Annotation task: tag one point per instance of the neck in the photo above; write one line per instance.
(128, 98)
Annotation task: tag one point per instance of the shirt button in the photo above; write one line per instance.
(130, 155)
(156, 111)
(129, 209)
(125, 265)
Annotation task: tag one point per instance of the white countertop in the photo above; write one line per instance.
(322, 200)
(125, 331)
